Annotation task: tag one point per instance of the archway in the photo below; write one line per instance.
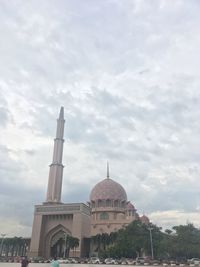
(57, 245)
(55, 241)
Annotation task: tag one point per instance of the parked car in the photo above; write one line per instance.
(109, 261)
(194, 261)
(131, 261)
(94, 260)
(37, 259)
(140, 260)
(72, 260)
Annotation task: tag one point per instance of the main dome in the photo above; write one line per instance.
(108, 189)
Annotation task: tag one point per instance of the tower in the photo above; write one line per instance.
(54, 220)
(56, 168)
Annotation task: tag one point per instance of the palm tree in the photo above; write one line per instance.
(70, 243)
(74, 244)
(105, 240)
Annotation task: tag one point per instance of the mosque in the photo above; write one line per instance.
(108, 210)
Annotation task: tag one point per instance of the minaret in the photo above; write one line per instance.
(56, 167)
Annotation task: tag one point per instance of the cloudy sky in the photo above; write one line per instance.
(127, 74)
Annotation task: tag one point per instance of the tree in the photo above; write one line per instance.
(129, 242)
(70, 243)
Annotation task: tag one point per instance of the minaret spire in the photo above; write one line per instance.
(108, 175)
(56, 168)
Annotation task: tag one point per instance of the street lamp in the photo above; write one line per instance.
(2, 238)
(151, 241)
(65, 247)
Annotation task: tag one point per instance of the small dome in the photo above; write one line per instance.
(130, 206)
(144, 219)
(108, 189)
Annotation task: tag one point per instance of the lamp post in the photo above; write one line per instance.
(151, 241)
(65, 247)
(2, 238)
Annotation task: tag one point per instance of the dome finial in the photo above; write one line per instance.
(108, 175)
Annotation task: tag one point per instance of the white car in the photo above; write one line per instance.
(140, 260)
(109, 261)
(94, 260)
(194, 261)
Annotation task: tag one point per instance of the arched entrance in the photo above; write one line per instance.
(57, 245)
(55, 242)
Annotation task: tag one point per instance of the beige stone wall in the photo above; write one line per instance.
(73, 219)
(36, 233)
(117, 219)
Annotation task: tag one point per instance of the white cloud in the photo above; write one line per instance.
(127, 75)
(170, 218)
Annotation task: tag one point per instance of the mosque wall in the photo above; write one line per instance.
(57, 220)
(113, 224)
(36, 236)
(108, 210)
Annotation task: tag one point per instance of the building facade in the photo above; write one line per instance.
(108, 210)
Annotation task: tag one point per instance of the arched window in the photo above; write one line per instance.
(104, 216)
(100, 203)
(116, 203)
(123, 204)
(108, 203)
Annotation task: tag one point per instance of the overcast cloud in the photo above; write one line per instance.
(127, 74)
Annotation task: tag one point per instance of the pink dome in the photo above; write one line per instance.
(130, 206)
(144, 219)
(108, 189)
